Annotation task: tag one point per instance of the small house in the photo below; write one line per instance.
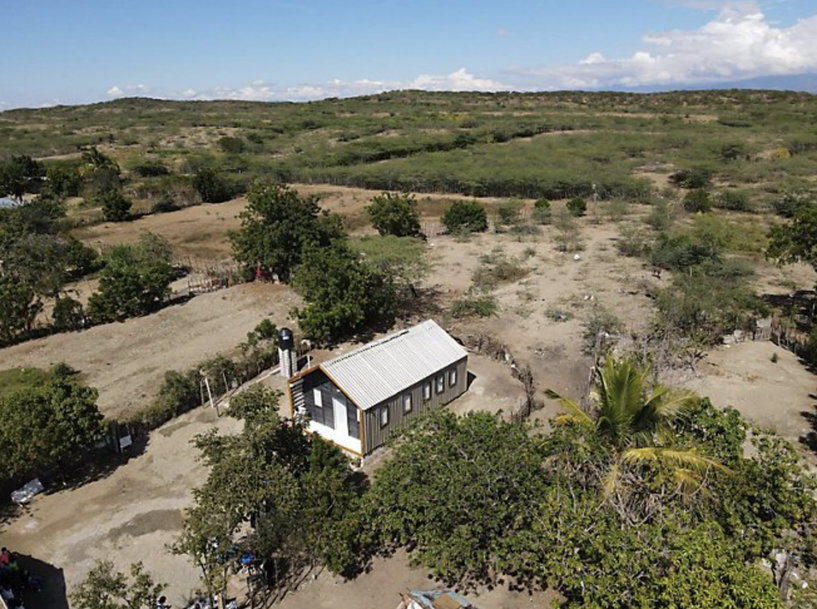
(357, 399)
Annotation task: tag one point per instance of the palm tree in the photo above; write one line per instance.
(634, 420)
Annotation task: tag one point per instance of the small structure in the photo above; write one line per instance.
(434, 599)
(358, 399)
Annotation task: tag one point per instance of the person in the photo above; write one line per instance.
(5, 557)
(161, 603)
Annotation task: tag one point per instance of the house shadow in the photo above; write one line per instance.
(470, 378)
(52, 593)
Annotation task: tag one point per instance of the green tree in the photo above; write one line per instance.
(697, 200)
(50, 424)
(115, 207)
(231, 145)
(106, 588)
(278, 226)
(20, 175)
(133, 282)
(344, 295)
(395, 214)
(211, 186)
(634, 420)
(796, 240)
(465, 217)
(577, 207)
(401, 258)
(19, 307)
(68, 314)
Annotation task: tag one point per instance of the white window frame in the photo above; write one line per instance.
(317, 398)
(426, 391)
(406, 403)
(452, 377)
(440, 383)
(384, 416)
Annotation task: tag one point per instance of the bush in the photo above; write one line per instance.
(165, 204)
(508, 211)
(632, 242)
(211, 186)
(465, 217)
(231, 145)
(542, 213)
(479, 306)
(151, 169)
(577, 206)
(68, 314)
(681, 252)
(115, 207)
(395, 214)
(697, 200)
(692, 178)
(733, 199)
(661, 217)
(599, 329)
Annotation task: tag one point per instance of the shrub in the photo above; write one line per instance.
(542, 212)
(465, 217)
(501, 270)
(165, 204)
(733, 199)
(68, 314)
(681, 252)
(692, 178)
(577, 206)
(632, 242)
(151, 169)
(661, 217)
(598, 329)
(211, 186)
(507, 212)
(697, 200)
(115, 207)
(395, 214)
(480, 306)
(231, 145)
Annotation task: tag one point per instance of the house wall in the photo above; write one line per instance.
(323, 419)
(376, 435)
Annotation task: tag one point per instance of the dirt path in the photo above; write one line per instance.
(126, 361)
(128, 516)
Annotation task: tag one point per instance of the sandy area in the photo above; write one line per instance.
(134, 512)
(126, 361)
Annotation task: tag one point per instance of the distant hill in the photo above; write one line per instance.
(806, 83)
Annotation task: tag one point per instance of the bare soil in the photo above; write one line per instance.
(127, 361)
(131, 514)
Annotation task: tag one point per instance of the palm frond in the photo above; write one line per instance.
(575, 413)
(612, 479)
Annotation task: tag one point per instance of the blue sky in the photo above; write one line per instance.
(62, 51)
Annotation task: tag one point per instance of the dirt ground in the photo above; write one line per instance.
(131, 514)
(126, 361)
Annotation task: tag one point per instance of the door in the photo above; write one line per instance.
(339, 407)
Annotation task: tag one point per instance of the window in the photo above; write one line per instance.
(353, 421)
(427, 391)
(384, 416)
(407, 403)
(317, 412)
(316, 394)
(452, 377)
(440, 383)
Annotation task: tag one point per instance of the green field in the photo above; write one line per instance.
(552, 145)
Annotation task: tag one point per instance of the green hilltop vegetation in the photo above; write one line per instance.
(553, 145)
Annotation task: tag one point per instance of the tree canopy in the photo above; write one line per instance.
(465, 216)
(278, 227)
(395, 214)
(106, 588)
(344, 294)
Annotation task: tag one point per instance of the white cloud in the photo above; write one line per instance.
(259, 90)
(503, 32)
(128, 90)
(738, 43)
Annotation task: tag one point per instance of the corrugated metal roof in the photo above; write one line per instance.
(385, 367)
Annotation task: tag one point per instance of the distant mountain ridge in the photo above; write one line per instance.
(806, 83)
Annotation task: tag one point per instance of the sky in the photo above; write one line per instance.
(79, 51)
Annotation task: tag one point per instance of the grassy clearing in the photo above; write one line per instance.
(16, 379)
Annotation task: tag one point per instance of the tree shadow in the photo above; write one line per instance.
(52, 592)
(422, 302)
(809, 440)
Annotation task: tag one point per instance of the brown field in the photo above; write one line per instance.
(133, 512)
